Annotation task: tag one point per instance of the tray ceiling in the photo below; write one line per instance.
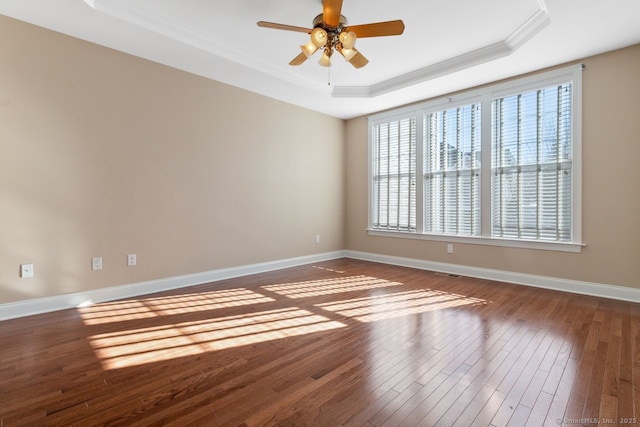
(446, 46)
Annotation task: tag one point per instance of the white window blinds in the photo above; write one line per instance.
(452, 171)
(532, 165)
(394, 175)
(498, 165)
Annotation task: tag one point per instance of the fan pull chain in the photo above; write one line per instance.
(329, 75)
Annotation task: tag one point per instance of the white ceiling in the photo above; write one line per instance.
(447, 45)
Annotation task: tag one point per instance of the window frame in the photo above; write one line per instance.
(485, 97)
(372, 170)
(447, 171)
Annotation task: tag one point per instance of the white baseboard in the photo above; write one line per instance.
(61, 302)
(574, 286)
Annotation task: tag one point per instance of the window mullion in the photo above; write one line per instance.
(378, 160)
(519, 168)
(539, 193)
(457, 176)
(421, 130)
(485, 167)
(444, 160)
(388, 173)
(399, 179)
(558, 144)
(379, 183)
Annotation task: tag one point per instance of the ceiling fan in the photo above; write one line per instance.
(331, 31)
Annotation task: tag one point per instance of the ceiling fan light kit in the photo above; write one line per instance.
(348, 53)
(308, 49)
(325, 60)
(319, 37)
(331, 32)
(347, 39)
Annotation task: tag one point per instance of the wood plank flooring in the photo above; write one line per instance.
(342, 342)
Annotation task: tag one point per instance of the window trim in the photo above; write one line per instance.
(485, 96)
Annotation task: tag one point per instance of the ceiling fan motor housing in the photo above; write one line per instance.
(333, 33)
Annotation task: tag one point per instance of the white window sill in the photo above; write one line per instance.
(488, 241)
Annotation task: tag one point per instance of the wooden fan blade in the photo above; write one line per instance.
(331, 12)
(298, 59)
(283, 27)
(358, 60)
(377, 29)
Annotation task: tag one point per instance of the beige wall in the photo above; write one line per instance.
(104, 154)
(611, 217)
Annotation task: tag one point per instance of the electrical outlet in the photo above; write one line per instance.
(131, 259)
(26, 270)
(96, 263)
(317, 238)
(450, 248)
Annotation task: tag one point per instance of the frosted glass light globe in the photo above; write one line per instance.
(319, 37)
(348, 39)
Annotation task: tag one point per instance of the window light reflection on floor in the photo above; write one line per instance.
(164, 334)
(160, 306)
(380, 307)
(329, 286)
(134, 347)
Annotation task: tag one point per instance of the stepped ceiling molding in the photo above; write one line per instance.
(446, 46)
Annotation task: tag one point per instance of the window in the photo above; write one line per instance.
(497, 166)
(394, 175)
(531, 164)
(452, 171)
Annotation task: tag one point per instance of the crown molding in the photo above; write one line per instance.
(532, 26)
(143, 17)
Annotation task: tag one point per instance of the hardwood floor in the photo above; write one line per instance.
(342, 342)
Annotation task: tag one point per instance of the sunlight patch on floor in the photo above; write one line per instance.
(161, 306)
(161, 331)
(157, 343)
(314, 288)
(387, 306)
